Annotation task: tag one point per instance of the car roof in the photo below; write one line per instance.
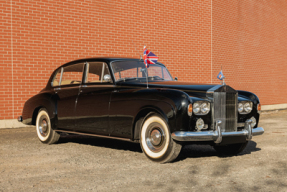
(106, 59)
(103, 59)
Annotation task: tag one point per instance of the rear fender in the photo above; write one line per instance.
(34, 104)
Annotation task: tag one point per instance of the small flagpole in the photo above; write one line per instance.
(146, 71)
(146, 78)
(223, 83)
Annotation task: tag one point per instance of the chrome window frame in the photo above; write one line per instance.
(55, 77)
(62, 72)
(113, 76)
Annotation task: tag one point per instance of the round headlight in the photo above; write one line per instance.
(247, 107)
(200, 124)
(196, 108)
(204, 108)
(240, 107)
(253, 121)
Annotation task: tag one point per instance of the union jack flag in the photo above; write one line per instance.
(149, 57)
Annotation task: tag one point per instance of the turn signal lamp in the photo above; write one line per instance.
(259, 107)
(189, 110)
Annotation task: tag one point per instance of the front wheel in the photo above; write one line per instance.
(156, 141)
(43, 127)
(232, 149)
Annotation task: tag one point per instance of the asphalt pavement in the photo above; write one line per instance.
(80, 163)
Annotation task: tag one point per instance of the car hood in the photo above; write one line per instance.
(193, 89)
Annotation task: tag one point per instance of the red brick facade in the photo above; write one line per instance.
(193, 39)
(249, 40)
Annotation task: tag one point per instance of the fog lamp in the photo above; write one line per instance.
(253, 121)
(200, 124)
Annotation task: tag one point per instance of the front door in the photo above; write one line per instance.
(92, 108)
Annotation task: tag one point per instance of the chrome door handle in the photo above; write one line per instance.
(57, 89)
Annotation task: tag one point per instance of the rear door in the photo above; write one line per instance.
(67, 92)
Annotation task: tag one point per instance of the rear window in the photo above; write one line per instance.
(72, 74)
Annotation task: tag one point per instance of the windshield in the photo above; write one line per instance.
(136, 70)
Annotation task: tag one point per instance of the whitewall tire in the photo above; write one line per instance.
(156, 141)
(44, 130)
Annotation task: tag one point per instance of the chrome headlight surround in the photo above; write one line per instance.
(201, 107)
(245, 107)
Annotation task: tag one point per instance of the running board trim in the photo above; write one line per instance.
(95, 135)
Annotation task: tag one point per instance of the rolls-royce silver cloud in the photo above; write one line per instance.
(119, 98)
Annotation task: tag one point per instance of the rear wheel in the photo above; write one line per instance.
(156, 141)
(232, 149)
(43, 127)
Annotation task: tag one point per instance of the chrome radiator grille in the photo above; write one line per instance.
(225, 109)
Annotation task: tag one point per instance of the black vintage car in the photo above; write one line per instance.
(118, 98)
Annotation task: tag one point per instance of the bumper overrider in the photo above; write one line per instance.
(217, 135)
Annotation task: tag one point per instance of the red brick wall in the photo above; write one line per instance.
(246, 37)
(47, 34)
(6, 99)
(250, 42)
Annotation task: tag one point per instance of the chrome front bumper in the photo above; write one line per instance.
(217, 135)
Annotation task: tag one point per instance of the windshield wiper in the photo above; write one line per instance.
(157, 77)
(126, 79)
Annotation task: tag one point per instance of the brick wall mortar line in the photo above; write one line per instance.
(12, 59)
(211, 45)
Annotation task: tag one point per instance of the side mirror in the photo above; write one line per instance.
(107, 78)
(175, 78)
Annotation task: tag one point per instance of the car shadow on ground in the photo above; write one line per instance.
(101, 142)
(188, 151)
(197, 151)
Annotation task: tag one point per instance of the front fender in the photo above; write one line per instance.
(249, 95)
(170, 104)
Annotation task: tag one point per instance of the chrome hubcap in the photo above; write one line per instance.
(43, 126)
(155, 137)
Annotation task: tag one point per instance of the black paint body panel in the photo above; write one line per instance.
(112, 109)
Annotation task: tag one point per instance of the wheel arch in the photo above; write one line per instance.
(46, 104)
(35, 113)
(144, 113)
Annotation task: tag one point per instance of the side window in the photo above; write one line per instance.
(57, 78)
(72, 74)
(96, 72)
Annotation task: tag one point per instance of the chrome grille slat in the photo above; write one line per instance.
(231, 112)
(220, 108)
(225, 108)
